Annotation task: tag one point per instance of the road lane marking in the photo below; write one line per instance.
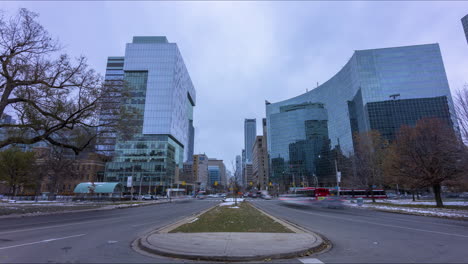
(54, 226)
(42, 241)
(387, 225)
(113, 215)
(396, 217)
(310, 260)
(110, 219)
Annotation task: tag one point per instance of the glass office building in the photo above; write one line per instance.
(464, 21)
(214, 175)
(250, 132)
(162, 97)
(376, 89)
(105, 143)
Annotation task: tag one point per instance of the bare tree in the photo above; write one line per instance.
(56, 167)
(369, 153)
(461, 107)
(47, 92)
(428, 155)
(395, 174)
(233, 184)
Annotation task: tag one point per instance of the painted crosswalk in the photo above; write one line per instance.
(310, 260)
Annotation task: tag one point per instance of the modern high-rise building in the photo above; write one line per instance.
(105, 142)
(200, 170)
(216, 173)
(248, 176)
(162, 97)
(265, 149)
(238, 172)
(243, 166)
(259, 172)
(379, 89)
(464, 21)
(250, 132)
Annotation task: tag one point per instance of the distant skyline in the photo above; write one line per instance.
(240, 54)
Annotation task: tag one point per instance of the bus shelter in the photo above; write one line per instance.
(99, 189)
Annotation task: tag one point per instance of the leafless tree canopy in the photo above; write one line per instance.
(426, 155)
(369, 153)
(461, 106)
(53, 97)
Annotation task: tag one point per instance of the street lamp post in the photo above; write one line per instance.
(139, 191)
(338, 179)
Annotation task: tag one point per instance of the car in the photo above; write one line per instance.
(332, 202)
(201, 196)
(148, 197)
(266, 196)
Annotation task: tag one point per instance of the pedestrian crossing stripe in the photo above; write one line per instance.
(310, 260)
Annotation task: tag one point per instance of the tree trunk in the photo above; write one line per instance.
(437, 196)
(412, 193)
(372, 193)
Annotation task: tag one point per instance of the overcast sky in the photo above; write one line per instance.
(240, 53)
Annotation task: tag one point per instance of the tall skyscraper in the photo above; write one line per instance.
(105, 143)
(378, 89)
(238, 172)
(243, 166)
(250, 132)
(259, 172)
(464, 21)
(265, 150)
(162, 96)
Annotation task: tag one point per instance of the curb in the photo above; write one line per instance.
(326, 244)
(169, 227)
(142, 245)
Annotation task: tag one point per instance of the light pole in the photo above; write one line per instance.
(139, 191)
(315, 180)
(338, 179)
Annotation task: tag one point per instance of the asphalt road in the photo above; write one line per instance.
(88, 237)
(357, 235)
(365, 236)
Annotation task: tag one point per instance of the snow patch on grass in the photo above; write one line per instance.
(439, 212)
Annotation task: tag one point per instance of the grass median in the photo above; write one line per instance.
(245, 218)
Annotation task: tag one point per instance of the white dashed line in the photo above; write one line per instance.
(42, 241)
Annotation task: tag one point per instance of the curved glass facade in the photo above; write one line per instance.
(354, 100)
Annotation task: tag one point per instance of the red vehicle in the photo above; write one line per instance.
(305, 196)
(317, 193)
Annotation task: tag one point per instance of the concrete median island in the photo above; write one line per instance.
(231, 233)
(241, 218)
